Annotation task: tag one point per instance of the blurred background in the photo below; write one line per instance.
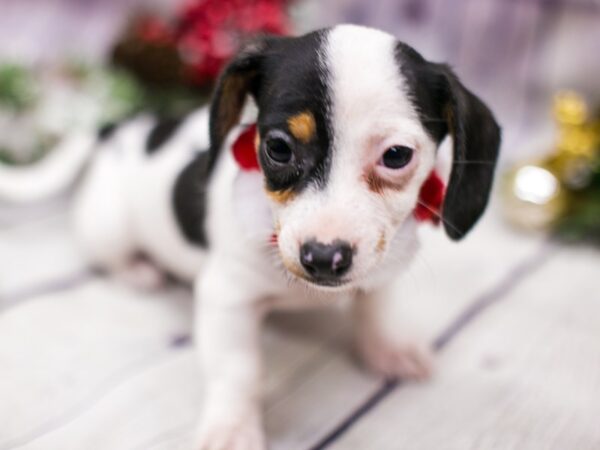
(86, 362)
(533, 61)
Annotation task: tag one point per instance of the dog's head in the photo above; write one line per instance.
(349, 124)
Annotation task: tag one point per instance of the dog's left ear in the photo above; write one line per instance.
(240, 78)
(476, 137)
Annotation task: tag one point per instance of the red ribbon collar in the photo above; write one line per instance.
(431, 195)
(244, 149)
(431, 198)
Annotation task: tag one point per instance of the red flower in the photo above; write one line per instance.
(209, 32)
(151, 29)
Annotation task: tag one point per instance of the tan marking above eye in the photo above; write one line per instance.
(256, 141)
(381, 243)
(303, 126)
(283, 196)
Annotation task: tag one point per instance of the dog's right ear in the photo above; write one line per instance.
(240, 78)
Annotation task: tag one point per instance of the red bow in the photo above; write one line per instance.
(431, 198)
(431, 195)
(244, 149)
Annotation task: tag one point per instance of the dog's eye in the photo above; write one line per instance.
(396, 157)
(278, 150)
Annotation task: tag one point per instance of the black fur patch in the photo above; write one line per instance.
(286, 76)
(106, 131)
(161, 132)
(295, 80)
(427, 89)
(189, 199)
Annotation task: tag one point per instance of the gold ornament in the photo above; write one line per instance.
(535, 193)
(533, 196)
(578, 140)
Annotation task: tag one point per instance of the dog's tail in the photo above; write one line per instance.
(49, 176)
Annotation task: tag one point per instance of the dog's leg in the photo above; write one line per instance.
(227, 333)
(101, 217)
(103, 225)
(386, 341)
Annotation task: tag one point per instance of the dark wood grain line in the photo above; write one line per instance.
(12, 299)
(476, 308)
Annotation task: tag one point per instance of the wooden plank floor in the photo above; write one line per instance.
(526, 374)
(87, 363)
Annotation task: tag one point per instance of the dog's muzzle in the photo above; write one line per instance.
(326, 264)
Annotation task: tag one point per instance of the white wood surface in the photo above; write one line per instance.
(525, 375)
(36, 253)
(94, 367)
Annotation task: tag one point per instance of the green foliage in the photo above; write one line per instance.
(582, 219)
(25, 92)
(17, 88)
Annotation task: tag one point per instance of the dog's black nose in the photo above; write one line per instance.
(326, 261)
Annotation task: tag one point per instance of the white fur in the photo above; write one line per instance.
(49, 176)
(124, 206)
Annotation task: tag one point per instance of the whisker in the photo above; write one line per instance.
(425, 118)
(439, 216)
(473, 162)
(429, 119)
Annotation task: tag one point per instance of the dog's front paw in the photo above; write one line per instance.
(240, 431)
(403, 358)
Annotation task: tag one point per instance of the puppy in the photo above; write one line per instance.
(343, 126)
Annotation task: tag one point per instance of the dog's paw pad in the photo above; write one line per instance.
(405, 359)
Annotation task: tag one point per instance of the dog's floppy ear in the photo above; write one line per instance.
(239, 78)
(476, 137)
